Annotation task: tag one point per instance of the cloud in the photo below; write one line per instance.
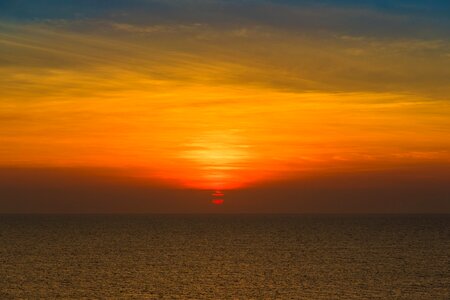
(130, 28)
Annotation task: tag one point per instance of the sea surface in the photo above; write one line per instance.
(224, 257)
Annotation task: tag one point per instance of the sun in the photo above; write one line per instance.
(218, 198)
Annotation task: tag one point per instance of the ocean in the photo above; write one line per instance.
(225, 257)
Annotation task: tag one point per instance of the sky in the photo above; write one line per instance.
(284, 106)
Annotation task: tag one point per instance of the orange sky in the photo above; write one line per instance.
(220, 106)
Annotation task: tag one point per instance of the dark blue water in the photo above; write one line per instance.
(224, 257)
